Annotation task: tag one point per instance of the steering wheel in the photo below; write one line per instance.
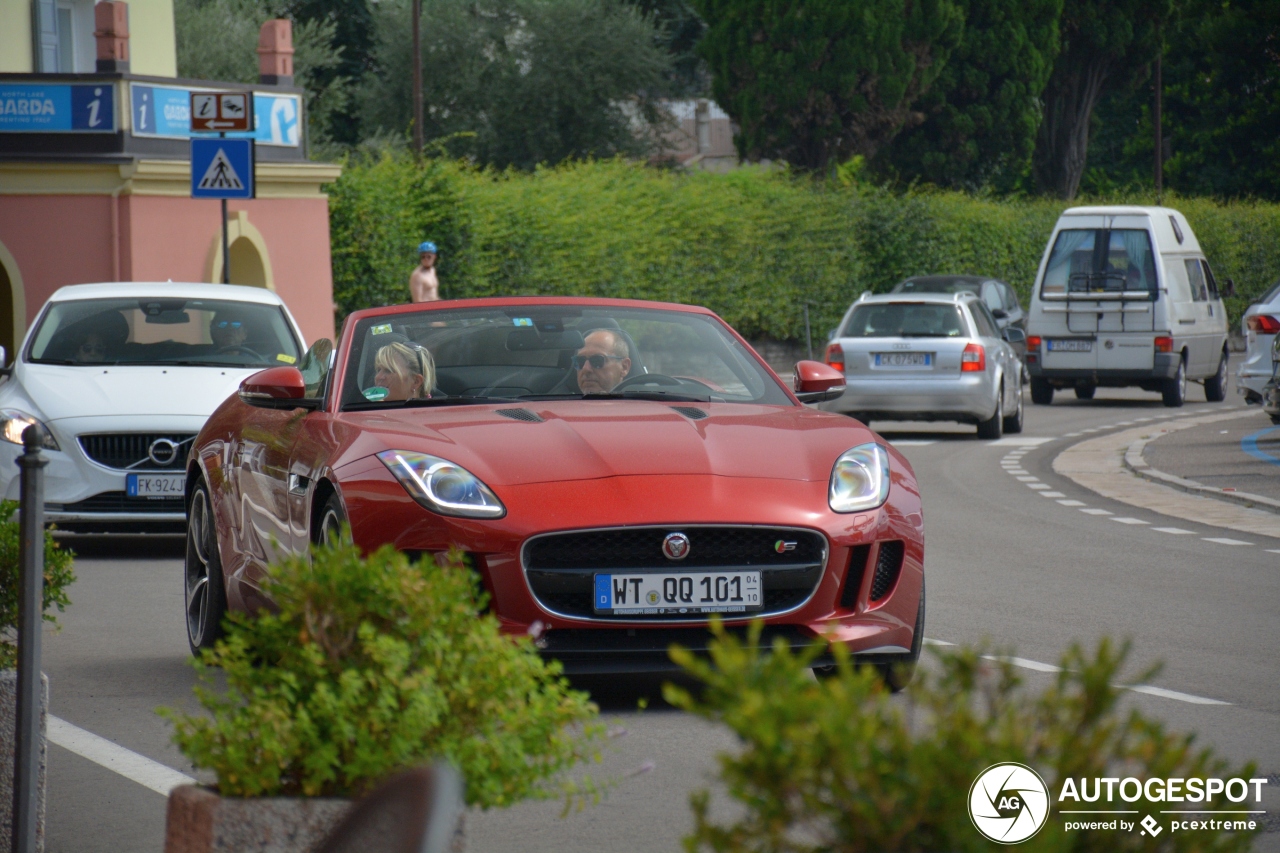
(239, 348)
(647, 379)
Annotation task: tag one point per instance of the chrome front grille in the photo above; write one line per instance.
(561, 567)
(138, 451)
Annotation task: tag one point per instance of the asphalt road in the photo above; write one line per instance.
(1005, 563)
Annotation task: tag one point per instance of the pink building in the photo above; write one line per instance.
(95, 184)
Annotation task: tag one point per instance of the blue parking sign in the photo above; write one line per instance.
(222, 168)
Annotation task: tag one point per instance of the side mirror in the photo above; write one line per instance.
(816, 382)
(999, 313)
(1230, 290)
(1014, 335)
(277, 388)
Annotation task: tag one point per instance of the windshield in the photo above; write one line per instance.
(937, 285)
(159, 331)
(1100, 260)
(542, 352)
(904, 320)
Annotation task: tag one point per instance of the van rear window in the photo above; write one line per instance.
(1100, 260)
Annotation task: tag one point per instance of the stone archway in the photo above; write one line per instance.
(13, 305)
(250, 260)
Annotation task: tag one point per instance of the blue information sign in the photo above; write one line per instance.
(222, 168)
(57, 108)
(166, 111)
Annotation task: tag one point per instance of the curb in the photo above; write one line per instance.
(1134, 462)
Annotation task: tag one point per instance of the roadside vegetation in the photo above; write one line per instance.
(58, 575)
(837, 764)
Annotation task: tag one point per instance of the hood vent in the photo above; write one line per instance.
(690, 412)
(520, 415)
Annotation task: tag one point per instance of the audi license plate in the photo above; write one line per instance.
(904, 359)
(156, 485)
(658, 594)
(1070, 345)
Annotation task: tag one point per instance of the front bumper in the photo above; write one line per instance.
(969, 398)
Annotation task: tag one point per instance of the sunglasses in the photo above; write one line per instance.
(597, 361)
(233, 324)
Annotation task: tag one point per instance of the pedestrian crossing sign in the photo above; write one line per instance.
(222, 168)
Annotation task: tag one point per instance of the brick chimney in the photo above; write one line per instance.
(275, 53)
(111, 31)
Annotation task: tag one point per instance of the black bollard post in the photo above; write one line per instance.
(30, 616)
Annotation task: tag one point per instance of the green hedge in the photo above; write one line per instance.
(753, 245)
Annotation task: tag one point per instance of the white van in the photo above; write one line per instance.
(1125, 297)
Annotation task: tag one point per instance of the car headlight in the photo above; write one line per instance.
(860, 479)
(441, 486)
(14, 422)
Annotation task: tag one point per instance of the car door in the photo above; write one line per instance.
(1000, 356)
(1217, 336)
(1201, 339)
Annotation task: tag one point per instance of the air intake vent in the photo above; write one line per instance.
(520, 415)
(888, 566)
(691, 413)
(853, 577)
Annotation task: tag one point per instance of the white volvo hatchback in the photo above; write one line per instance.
(120, 378)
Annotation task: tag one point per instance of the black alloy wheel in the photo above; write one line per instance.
(993, 427)
(1041, 392)
(332, 523)
(205, 596)
(1215, 387)
(1174, 390)
(898, 675)
(1013, 422)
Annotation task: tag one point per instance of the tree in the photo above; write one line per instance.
(521, 82)
(984, 108)
(1105, 44)
(679, 31)
(352, 42)
(814, 82)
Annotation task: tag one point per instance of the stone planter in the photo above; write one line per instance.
(200, 821)
(8, 743)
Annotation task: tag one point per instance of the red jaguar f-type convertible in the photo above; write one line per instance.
(617, 471)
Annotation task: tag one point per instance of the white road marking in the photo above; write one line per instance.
(126, 762)
(929, 641)
(1071, 503)
(1072, 434)
(1052, 495)
(1174, 694)
(1093, 511)
(1176, 531)
(1127, 520)
(1026, 664)
(1027, 479)
(1020, 442)
(1141, 420)
(1273, 551)
(1037, 485)
(913, 442)
(1125, 423)
(1221, 540)
(1094, 429)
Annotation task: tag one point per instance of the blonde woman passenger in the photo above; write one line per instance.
(407, 371)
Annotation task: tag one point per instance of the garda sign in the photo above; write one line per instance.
(164, 112)
(221, 111)
(222, 168)
(57, 108)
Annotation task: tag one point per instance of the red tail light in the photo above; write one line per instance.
(835, 357)
(1164, 344)
(1033, 343)
(973, 359)
(1264, 323)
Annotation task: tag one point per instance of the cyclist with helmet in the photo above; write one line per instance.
(423, 284)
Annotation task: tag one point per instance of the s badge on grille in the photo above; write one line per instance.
(675, 546)
(782, 546)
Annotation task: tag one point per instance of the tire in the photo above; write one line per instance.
(205, 596)
(860, 416)
(1041, 392)
(993, 427)
(1215, 387)
(331, 522)
(1013, 423)
(898, 675)
(1174, 390)
(1086, 392)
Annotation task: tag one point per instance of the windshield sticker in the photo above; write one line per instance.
(375, 394)
(383, 329)
(522, 321)
(286, 358)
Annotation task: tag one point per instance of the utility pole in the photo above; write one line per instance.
(417, 78)
(1157, 121)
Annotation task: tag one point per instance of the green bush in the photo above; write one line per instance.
(839, 765)
(57, 577)
(753, 245)
(369, 666)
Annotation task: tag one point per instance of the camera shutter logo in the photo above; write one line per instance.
(1008, 803)
(675, 546)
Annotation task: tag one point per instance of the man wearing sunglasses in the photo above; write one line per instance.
(602, 362)
(228, 330)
